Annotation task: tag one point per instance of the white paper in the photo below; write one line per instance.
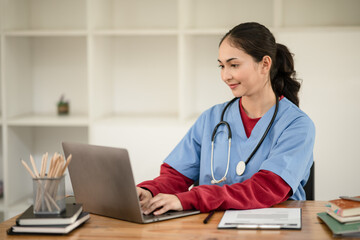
(265, 218)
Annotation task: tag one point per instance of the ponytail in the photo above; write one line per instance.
(283, 75)
(257, 41)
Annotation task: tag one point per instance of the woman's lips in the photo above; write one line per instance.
(232, 86)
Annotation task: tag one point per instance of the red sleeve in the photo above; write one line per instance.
(263, 189)
(170, 181)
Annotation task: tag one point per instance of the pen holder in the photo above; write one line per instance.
(49, 195)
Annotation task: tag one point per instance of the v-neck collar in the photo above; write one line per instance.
(248, 144)
(248, 123)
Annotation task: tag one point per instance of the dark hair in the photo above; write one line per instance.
(257, 41)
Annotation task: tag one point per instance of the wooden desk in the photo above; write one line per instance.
(191, 227)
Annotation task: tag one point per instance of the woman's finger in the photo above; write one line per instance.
(163, 203)
(155, 203)
(162, 210)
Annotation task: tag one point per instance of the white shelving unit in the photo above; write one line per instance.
(136, 72)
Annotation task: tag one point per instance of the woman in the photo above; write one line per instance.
(272, 139)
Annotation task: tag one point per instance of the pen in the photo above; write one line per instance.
(206, 220)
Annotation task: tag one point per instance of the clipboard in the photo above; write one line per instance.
(264, 218)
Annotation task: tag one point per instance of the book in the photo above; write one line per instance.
(67, 217)
(343, 219)
(49, 229)
(344, 207)
(339, 228)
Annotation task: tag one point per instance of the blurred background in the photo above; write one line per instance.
(137, 73)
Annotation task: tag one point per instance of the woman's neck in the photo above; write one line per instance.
(256, 106)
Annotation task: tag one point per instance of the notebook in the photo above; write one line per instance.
(340, 229)
(102, 180)
(66, 217)
(49, 229)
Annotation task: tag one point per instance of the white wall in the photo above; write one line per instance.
(148, 141)
(327, 61)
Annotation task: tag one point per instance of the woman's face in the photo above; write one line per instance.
(239, 71)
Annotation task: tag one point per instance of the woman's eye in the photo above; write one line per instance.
(221, 66)
(234, 65)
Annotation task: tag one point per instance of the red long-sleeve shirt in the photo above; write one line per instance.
(263, 189)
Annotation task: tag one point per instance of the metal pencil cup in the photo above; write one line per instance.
(49, 195)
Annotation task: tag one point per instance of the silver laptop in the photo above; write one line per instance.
(103, 182)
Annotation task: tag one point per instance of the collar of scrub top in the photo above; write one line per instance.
(241, 166)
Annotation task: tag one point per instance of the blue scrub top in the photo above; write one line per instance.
(286, 151)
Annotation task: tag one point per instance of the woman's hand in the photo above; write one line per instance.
(144, 196)
(162, 203)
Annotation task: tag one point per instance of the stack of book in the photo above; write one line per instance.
(30, 223)
(342, 216)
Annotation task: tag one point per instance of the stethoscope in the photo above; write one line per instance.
(241, 166)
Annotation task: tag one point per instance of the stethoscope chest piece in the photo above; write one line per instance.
(240, 168)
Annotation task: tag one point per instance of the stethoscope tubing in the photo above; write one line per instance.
(222, 122)
(266, 131)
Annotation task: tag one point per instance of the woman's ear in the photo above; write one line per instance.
(266, 64)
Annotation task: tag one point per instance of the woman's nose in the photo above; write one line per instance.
(226, 75)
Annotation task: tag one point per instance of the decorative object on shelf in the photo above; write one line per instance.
(49, 189)
(63, 106)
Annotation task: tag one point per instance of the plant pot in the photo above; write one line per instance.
(63, 108)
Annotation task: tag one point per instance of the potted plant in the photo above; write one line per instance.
(63, 106)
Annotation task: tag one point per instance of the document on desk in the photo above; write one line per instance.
(264, 218)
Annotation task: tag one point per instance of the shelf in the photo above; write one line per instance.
(138, 73)
(18, 207)
(50, 120)
(225, 14)
(44, 14)
(34, 140)
(135, 32)
(2, 207)
(44, 32)
(141, 120)
(206, 32)
(50, 67)
(129, 76)
(135, 14)
(320, 13)
(314, 29)
(22, 203)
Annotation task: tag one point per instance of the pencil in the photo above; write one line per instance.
(66, 164)
(43, 165)
(59, 166)
(52, 163)
(34, 166)
(28, 168)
